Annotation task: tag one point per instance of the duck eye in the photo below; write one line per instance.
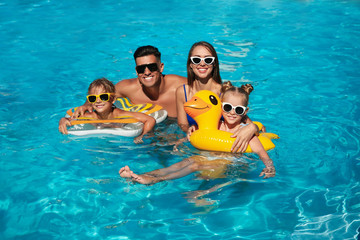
(213, 100)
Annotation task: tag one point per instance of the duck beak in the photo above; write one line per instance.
(196, 106)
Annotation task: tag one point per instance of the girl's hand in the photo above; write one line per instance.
(268, 172)
(63, 123)
(243, 137)
(190, 131)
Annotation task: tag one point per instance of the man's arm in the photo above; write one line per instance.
(124, 87)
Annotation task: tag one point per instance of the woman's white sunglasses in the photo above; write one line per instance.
(239, 110)
(207, 60)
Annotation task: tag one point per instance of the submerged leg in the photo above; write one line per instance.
(173, 168)
(177, 170)
(154, 177)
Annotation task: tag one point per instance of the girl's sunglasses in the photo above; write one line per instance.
(239, 110)
(152, 68)
(105, 97)
(207, 60)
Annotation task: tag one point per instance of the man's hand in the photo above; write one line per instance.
(80, 111)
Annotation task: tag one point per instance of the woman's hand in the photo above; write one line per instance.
(190, 131)
(243, 136)
(63, 123)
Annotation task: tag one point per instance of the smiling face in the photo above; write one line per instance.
(201, 70)
(99, 105)
(149, 78)
(235, 99)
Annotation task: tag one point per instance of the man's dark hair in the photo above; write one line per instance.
(147, 50)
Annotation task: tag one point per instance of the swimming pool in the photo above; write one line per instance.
(302, 58)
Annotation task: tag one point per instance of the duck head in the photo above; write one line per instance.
(205, 108)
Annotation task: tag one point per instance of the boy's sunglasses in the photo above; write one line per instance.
(105, 97)
(152, 68)
(207, 60)
(239, 110)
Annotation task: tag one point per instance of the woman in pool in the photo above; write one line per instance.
(101, 94)
(234, 110)
(203, 73)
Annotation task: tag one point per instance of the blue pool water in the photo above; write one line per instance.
(302, 58)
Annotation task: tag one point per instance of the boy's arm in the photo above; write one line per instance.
(63, 123)
(148, 121)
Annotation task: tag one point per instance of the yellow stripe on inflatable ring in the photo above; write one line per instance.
(125, 120)
(127, 106)
(122, 119)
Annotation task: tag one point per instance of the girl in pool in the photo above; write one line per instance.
(234, 110)
(204, 74)
(101, 94)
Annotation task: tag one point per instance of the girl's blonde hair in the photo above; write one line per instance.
(244, 89)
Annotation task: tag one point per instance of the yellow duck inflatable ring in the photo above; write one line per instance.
(205, 109)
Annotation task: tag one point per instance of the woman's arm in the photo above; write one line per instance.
(243, 136)
(181, 114)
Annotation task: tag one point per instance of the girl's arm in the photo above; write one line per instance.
(256, 147)
(181, 114)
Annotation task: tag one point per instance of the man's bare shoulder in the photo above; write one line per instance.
(126, 86)
(127, 82)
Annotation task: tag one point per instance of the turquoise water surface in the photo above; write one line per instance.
(302, 57)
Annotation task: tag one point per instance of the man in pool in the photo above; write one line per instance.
(150, 86)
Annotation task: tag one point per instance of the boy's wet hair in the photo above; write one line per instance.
(244, 89)
(108, 86)
(147, 50)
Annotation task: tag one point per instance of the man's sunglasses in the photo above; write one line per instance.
(239, 110)
(152, 68)
(105, 97)
(207, 60)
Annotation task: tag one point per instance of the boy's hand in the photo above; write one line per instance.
(138, 139)
(63, 123)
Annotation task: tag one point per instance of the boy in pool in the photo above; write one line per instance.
(234, 110)
(101, 94)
